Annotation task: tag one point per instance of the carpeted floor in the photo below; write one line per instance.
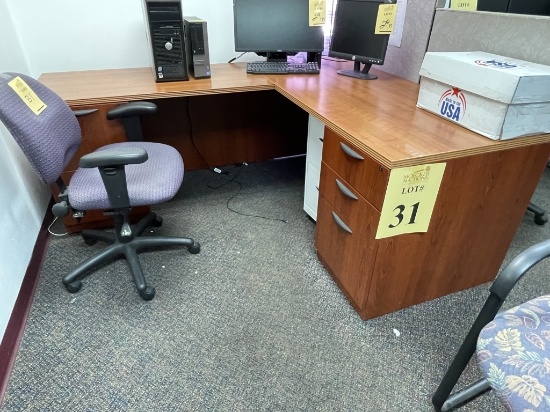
(252, 323)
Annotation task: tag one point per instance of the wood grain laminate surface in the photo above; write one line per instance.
(119, 85)
(379, 116)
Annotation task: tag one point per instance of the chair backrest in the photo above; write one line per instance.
(49, 139)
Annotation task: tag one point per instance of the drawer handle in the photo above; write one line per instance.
(345, 190)
(341, 223)
(84, 112)
(350, 152)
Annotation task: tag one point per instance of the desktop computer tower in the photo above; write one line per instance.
(196, 47)
(165, 34)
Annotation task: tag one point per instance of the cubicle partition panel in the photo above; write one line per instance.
(404, 59)
(519, 36)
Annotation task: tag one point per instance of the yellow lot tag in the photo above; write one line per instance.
(317, 12)
(464, 5)
(385, 21)
(410, 199)
(27, 95)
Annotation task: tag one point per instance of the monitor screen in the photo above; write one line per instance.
(271, 26)
(536, 7)
(353, 36)
(491, 5)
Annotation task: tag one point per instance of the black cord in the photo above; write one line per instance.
(236, 194)
(235, 58)
(191, 132)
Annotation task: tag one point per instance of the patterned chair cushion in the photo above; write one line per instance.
(513, 352)
(155, 181)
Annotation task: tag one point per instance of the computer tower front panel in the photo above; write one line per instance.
(196, 47)
(165, 34)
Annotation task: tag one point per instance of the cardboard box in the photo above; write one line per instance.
(495, 96)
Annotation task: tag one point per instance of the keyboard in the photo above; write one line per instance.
(282, 68)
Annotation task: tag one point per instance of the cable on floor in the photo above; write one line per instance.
(231, 180)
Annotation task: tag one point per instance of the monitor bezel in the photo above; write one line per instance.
(264, 51)
(354, 57)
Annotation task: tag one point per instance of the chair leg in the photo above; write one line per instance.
(146, 243)
(467, 394)
(461, 360)
(131, 254)
(137, 245)
(540, 218)
(153, 242)
(152, 219)
(71, 279)
(92, 236)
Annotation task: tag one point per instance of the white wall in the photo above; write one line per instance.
(23, 197)
(106, 34)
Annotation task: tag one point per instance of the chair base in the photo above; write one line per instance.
(128, 246)
(540, 218)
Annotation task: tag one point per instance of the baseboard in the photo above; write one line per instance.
(16, 325)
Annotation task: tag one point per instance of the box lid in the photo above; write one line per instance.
(496, 77)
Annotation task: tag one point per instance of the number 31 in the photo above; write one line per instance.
(400, 210)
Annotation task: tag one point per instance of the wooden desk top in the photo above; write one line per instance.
(379, 116)
(120, 85)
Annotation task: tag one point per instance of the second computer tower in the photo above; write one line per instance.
(196, 47)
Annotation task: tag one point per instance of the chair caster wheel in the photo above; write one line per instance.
(541, 220)
(90, 241)
(195, 248)
(148, 293)
(157, 221)
(74, 286)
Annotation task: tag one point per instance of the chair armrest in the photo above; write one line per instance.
(131, 109)
(114, 157)
(518, 267)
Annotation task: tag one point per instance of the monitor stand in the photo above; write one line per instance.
(276, 56)
(358, 73)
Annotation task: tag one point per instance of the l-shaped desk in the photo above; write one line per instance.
(235, 117)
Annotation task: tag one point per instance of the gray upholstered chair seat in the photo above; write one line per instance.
(153, 182)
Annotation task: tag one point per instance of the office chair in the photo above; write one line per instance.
(114, 178)
(513, 347)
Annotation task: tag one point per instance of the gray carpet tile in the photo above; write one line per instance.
(252, 323)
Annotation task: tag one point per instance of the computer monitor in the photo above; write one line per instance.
(275, 28)
(536, 7)
(491, 5)
(353, 36)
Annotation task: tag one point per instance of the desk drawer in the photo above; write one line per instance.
(351, 206)
(366, 176)
(349, 252)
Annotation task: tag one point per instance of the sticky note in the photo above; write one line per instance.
(385, 20)
(464, 5)
(317, 12)
(27, 95)
(410, 199)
